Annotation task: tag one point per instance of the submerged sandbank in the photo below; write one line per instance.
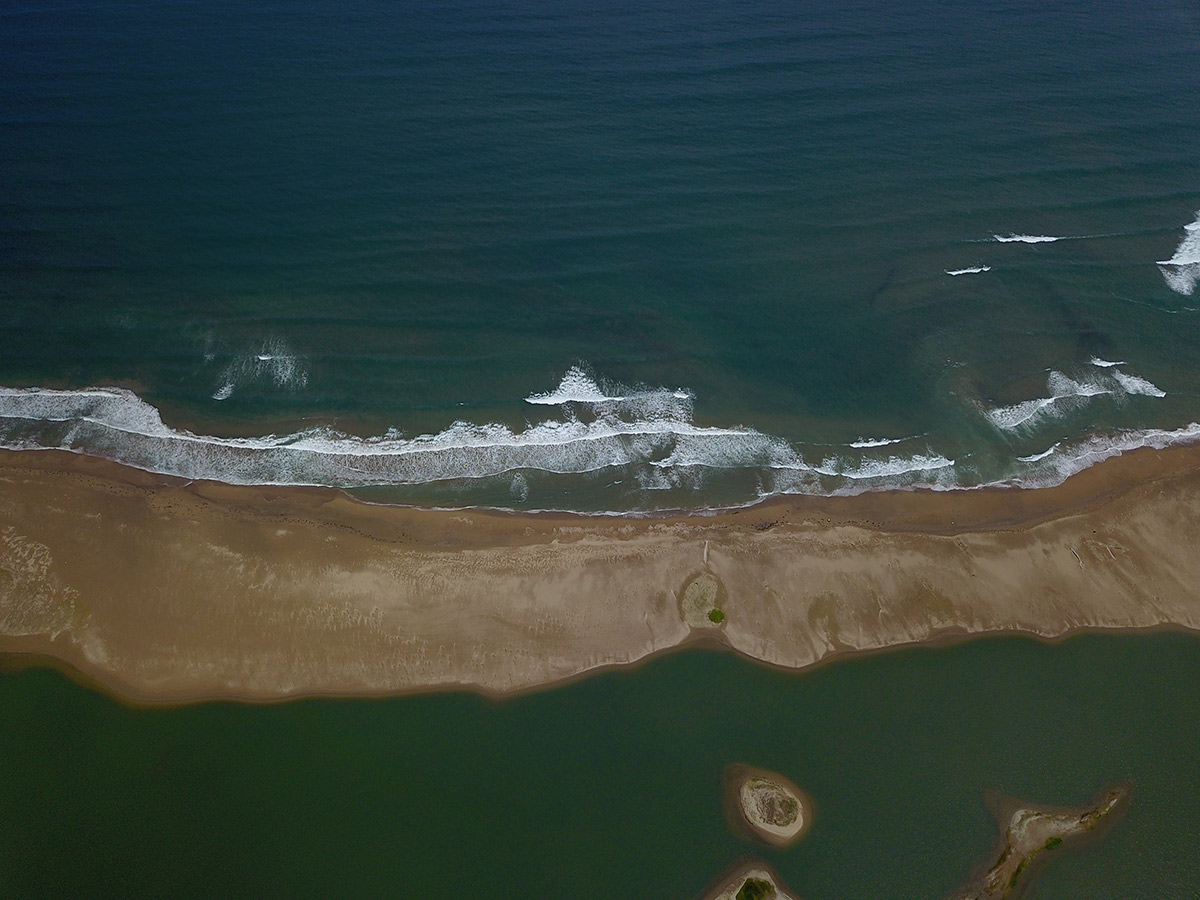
(164, 590)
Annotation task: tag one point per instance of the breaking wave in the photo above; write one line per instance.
(1182, 271)
(577, 387)
(1069, 394)
(969, 270)
(1025, 238)
(1135, 384)
(116, 424)
(1058, 464)
(602, 426)
(645, 436)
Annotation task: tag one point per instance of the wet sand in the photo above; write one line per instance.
(162, 590)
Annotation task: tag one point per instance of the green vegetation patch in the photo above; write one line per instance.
(1016, 876)
(1053, 842)
(698, 604)
(756, 889)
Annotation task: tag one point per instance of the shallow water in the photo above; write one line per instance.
(611, 787)
(279, 217)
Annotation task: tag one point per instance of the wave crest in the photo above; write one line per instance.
(1182, 271)
(579, 387)
(1068, 394)
(646, 436)
(1025, 238)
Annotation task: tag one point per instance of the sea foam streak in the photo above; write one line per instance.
(1182, 271)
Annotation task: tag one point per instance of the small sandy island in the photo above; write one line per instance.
(753, 881)
(165, 590)
(1033, 833)
(770, 807)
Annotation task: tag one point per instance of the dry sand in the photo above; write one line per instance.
(162, 590)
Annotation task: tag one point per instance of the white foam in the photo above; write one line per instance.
(658, 452)
(273, 363)
(116, 424)
(889, 468)
(1135, 384)
(519, 487)
(1025, 238)
(1182, 271)
(970, 270)
(1040, 456)
(1055, 468)
(577, 386)
(1069, 394)
(1104, 363)
(1065, 393)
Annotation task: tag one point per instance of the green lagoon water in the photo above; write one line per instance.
(611, 787)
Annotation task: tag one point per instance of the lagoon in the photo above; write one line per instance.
(611, 786)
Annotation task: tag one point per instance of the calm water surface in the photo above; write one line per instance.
(610, 787)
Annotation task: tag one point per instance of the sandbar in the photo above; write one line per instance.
(162, 590)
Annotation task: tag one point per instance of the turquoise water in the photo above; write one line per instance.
(352, 226)
(610, 787)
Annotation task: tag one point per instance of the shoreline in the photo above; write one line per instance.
(160, 590)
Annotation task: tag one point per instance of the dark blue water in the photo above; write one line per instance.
(338, 220)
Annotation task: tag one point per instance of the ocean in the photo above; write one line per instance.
(618, 257)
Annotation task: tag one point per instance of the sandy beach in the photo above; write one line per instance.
(161, 590)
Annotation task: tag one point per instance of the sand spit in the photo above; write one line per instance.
(1031, 835)
(162, 590)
